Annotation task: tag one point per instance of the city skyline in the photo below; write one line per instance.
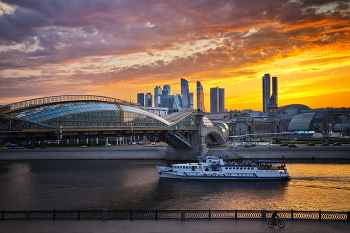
(119, 49)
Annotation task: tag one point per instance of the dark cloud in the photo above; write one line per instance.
(48, 33)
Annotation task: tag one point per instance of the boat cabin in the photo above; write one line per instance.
(210, 160)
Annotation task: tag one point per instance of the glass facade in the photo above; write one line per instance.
(301, 122)
(182, 119)
(139, 117)
(89, 114)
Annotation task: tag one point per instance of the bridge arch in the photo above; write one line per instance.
(214, 138)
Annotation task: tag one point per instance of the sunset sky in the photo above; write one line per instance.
(118, 48)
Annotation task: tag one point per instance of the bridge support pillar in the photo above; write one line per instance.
(199, 136)
(199, 148)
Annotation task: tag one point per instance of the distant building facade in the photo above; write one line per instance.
(191, 100)
(217, 99)
(148, 100)
(248, 122)
(157, 96)
(159, 111)
(141, 99)
(266, 91)
(200, 97)
(185, 94)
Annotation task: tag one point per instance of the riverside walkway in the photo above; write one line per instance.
(167, 226)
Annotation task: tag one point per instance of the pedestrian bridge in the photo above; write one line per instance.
(74, 117)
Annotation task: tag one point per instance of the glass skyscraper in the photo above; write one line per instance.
(141, 99)
(217, 99)
(266, 93)
(200, 97)
(185, 94)
(157, 96)
(148, 100)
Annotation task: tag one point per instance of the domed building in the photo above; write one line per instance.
(298, 117)
(289, 111)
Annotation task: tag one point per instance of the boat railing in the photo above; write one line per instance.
(272, 167)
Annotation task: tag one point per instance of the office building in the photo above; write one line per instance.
(266, 93)
(200, 97)
(166, 90)
(141, 99)
(167, 101)
(157, 96)
(191, 100)
(217, 99)
(185, 94)
(148, 100)
(165, 94)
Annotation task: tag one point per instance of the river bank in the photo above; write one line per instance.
(147, 152)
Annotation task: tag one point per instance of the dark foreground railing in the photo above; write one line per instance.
(174, 214)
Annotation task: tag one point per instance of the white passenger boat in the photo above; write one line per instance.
(215, 168)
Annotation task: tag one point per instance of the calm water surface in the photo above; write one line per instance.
(134, 184)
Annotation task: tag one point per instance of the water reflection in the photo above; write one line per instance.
(213, 194)
(16, 182)
(134, 184)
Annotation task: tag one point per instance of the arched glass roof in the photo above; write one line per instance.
(84, 111)
(144, 112)
(49, 112)
(57, 99)
(301, 122)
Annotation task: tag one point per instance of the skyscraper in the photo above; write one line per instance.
(141, 99)
(191, 100)
(148, 100)
(165, 94)
(217, 99)
(266, 91)
(275, 88)
(185, 94)
(200, 97)
(157, 96)
(266, 94)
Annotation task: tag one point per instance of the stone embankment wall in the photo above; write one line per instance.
(287, 153)
(84, 153)
(161, 153)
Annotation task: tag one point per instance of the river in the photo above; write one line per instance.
(134, 184)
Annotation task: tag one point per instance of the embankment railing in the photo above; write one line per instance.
(174, 215)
